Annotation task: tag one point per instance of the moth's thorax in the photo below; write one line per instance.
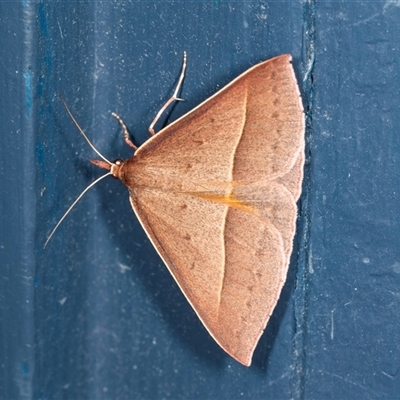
(135, 173)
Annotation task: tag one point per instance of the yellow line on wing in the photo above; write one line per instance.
(228, 200)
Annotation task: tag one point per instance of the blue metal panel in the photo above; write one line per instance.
(353, 291)
(96, 314)
(17, 205)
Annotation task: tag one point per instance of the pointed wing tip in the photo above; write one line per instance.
(242, 356)
(283, 57)
(245, 361)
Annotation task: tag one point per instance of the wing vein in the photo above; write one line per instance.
(223, 280)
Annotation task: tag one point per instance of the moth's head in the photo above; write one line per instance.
(113, 167)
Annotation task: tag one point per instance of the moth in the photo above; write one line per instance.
(216, 193)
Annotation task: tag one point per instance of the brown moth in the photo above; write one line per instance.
(216, 193)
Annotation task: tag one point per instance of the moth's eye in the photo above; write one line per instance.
(118, 162)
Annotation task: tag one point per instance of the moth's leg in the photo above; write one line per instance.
(173, 98)
(128, 141)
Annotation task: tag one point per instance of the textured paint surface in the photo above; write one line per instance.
(97, 315)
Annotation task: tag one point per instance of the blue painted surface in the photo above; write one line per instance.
(96, 315)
